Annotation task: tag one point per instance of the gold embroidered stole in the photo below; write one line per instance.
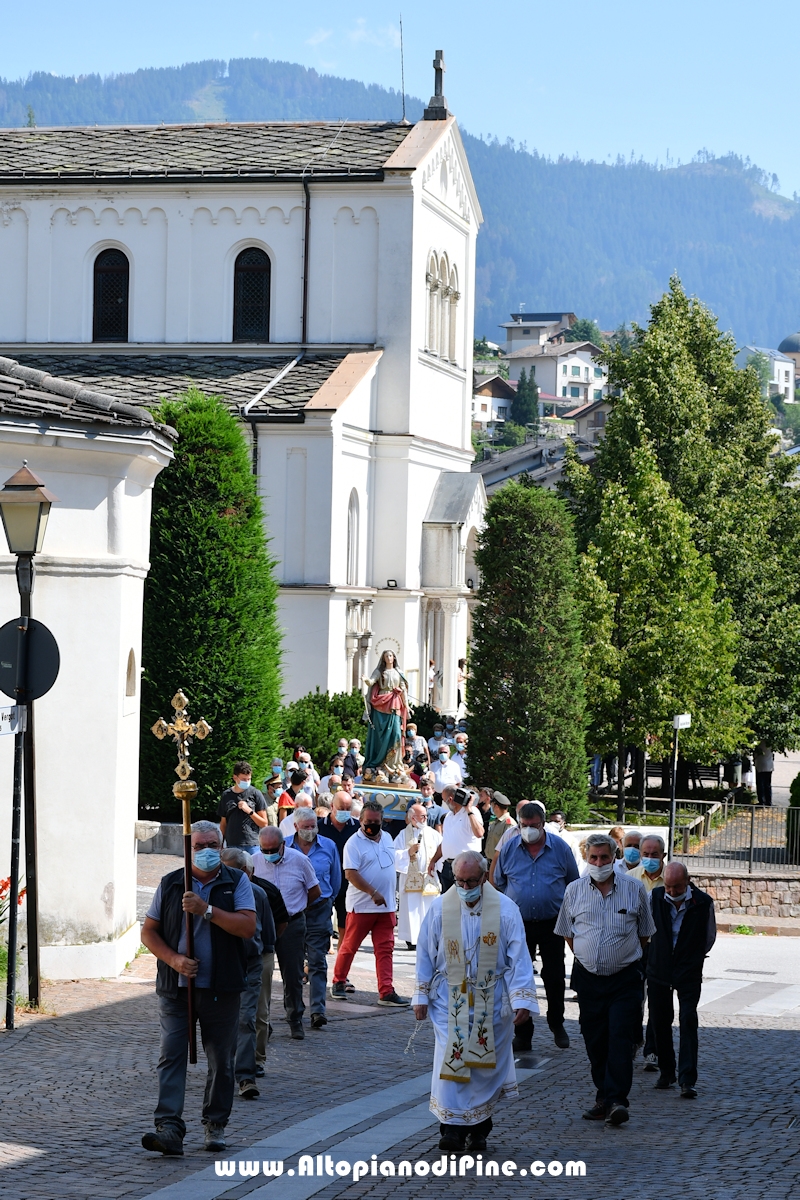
(415, 878)
(475, 1048)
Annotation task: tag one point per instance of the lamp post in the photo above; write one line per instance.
(25, 507)
(680, 721)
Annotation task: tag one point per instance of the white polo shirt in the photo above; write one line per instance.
(375, 863)
(446, 774)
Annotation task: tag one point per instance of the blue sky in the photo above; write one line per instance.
(586, 78)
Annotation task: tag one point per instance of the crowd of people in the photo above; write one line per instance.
(477, 884)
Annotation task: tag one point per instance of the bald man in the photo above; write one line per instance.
(685, 932)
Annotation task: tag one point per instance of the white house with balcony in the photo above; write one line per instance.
(571, 372)
(781, 370)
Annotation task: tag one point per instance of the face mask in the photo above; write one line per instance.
(341, 817)
(206, 859)
(343, 748)
(651, 865)
(468, 894)
(272, 855)
(443, 757)
(631, 855)
(277, 765)
(371, 827)
(530, 833)
(243, 784)
(601, 874)
(306, 835)
(677, 900)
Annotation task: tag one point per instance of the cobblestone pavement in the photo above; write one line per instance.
(79, 1090)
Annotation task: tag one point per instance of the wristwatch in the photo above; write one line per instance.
(208, 914)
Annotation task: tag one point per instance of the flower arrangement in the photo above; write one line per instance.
(5, 888)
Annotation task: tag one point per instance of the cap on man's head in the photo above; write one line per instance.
(503, 801)
(274, 781)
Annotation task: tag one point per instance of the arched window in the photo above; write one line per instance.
(352, 540)
(444, 309)
(432, 280)
(130, 675)
(251, 278)
(111, 284)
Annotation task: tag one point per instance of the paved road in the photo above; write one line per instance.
(80, 1089)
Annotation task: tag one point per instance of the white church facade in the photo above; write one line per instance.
(320, 279)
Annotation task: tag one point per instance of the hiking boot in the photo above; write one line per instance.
(165, 1140)
(215, 1138)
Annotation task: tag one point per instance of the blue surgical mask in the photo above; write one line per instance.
(631, 855)
(443, 757)
(468, 894)
(244, 784)
(206, 859)
(651, 865)
(273, 856)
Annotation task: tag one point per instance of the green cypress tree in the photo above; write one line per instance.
(525, 405)
(210, 622)
(526, 682)
(318, 720)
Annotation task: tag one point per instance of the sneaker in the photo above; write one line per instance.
(165, 1140)
(215, 1138)
(392, 1000)
(298, 1033)
(260, 1072)
(617, 1115)
(651, 1062)
(596, 1113)
(338, 991)
(348, 986)
(318, 1020)
(688, 1092)
(248, 1089)
(663, 1082)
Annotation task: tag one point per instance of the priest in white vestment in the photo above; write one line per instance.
(414, 847)
(475, 981)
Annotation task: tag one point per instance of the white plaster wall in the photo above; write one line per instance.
(13, 272)
(89, 593)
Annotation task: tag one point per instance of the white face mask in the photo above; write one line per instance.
(601, 874)
(677, 900)
(530, 833)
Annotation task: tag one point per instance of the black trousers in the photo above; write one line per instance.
(482, 1129)
(446, 875)
(661, 1014)
(539, 935)
(218, 1016)
(290, 951)
(764, 787)
(610, 1006)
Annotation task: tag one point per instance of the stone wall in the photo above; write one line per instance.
(751, 895)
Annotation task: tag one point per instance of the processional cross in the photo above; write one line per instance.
(182, 730)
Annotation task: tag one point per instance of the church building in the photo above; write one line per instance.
(320, 278)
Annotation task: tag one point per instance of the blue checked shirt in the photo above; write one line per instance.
(606, 929)
(324, 858)
(536, 885)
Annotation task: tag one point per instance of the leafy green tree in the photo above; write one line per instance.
(526, 680)
(760, 364)
(709, 429)
(656, 641)
(512, 435)
(480, 347)
(317, 722)
(525, 405)
(210, 623)
(584, 330)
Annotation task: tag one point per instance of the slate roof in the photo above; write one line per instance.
(27, 392)
(144, 379)
(272, 150)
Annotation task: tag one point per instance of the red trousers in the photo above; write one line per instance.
(381, 926)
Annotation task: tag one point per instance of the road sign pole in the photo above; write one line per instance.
(16, 821)
(26, 576)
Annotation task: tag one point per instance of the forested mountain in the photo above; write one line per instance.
(598, 239)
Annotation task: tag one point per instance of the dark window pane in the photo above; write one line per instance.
(111, 278)
(251, 296)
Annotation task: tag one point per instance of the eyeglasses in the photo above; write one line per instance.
(470, 883)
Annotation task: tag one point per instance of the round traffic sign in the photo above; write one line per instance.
(43, 660)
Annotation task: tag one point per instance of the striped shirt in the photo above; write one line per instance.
(606, 929)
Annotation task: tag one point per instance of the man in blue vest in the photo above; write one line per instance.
(222, 905)
(685, 932)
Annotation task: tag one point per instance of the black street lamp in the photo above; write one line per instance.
(24, 507)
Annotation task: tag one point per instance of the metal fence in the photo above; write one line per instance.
(742, 837)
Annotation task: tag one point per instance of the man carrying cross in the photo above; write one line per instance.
(475, 980)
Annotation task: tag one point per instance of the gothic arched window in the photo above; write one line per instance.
(111, 285)
(432, 280)
(455, 296)
(352, 540)
(251, 280)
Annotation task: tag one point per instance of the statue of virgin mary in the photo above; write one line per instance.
(387, 712)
